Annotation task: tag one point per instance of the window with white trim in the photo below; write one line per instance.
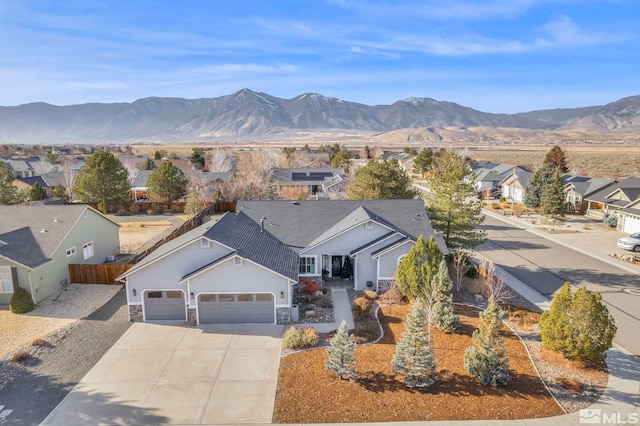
(307, 265)
(87, 250)
(71, 251)
(401, 257)
(6, 280)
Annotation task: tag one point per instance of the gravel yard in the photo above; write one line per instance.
(71, 347)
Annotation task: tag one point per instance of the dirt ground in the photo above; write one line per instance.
(308, 393)
(136, 232)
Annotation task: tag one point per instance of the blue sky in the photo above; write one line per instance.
(494, 55)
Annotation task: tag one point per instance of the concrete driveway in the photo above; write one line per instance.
(173, 374)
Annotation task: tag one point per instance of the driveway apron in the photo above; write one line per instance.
(174, 374)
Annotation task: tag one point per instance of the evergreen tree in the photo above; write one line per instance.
(557, 158)
(37, 192)
(452, 206)
(381, 180)
(579, 326)
(270, 190)
(423, 162)
(166, 183)
(9, 193)
(365, 152)
(553, 199)
(442, 313)
(416, 270)
(341, 159)
(486, 360)
(410, 150)
(102, 180)
(148, 164)
(157, 155)
(414, 360)
(60, 191)
(342, 354)
(537, 184)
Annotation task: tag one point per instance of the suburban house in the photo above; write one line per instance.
(578, 188)
(47, 181)
(306, 183)
(208, 182)
(30, 166)
(38, 242)
(242, 267)
(622, 200)
(514, 185)
(489, 175)
(405, 160)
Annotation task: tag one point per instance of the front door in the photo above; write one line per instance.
(336, 266)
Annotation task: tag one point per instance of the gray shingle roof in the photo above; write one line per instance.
(630, 187)
(301, 223)
(32, 233)
(241, 234)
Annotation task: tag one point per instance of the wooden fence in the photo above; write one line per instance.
(105, 273)
(152, 207)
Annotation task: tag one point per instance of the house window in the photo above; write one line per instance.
(401, 257)
(368, 225)
(237, 261)
(307, 265)
(6, 280)
(71, 251)
(87, 250)
(205, 243)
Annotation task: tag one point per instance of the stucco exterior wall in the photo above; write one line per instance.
(165, 273)
(389, 261)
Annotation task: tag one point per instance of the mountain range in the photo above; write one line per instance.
(246, 115)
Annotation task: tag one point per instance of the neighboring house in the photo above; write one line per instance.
(31, 166)
(38, 242)
(622, 200)
(490, 175)
(405, 161)
(207, 182)
(308, 183)
(242, 267)
(227, 271)
(139, 184)
(578, 188)
(514, 185)
(315, 159)
(47, 181)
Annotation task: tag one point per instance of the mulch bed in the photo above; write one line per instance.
(308, 393)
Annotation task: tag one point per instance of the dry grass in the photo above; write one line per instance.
(307, 393)
(20, 357)
(38, 341)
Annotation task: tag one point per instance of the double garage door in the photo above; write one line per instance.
(252, 308)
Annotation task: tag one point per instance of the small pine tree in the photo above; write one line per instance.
(347, 268)
(37, 192)
(442, 314)
(21, 301)
(417, 268)
(270, 190)
(553, 199)
(486, 360)
(414, 360)
(60, 191)
(579, 326)
(342, 354)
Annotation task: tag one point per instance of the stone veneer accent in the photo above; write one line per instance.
(135, 313)
(191, 316)
(283, 315)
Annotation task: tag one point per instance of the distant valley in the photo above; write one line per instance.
(247, 116)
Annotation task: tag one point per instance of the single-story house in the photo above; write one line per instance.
(514, 185)
(578, 188)
(308, 183)
(38, 242)
(242, 268)
(622, 200)
(48, 182)
(489, 175)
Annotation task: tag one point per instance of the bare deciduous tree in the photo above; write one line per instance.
(220, 160)
(390, 294)
(494, 286)
(68, 176)
(460, 265)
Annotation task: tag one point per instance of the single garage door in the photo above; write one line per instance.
(164, 305)
(254, 308)
(631, 225)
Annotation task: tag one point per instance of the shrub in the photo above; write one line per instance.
(308, 287)
(370, 294)
(21, 301)
(342, 354)
(495, 206)
(20, 357)
(579, 326)
(612, 221)
(134, 208)
(39, 341)
(362, 307)
(296, 338)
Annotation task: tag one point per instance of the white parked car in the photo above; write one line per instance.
(632, 242)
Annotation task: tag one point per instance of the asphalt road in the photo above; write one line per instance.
(545, 266)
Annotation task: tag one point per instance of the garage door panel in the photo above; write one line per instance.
(631, 225)
(164, 305)
(236, 309)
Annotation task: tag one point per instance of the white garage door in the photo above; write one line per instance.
(631, 225)
(254, 308)
(164, 305)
